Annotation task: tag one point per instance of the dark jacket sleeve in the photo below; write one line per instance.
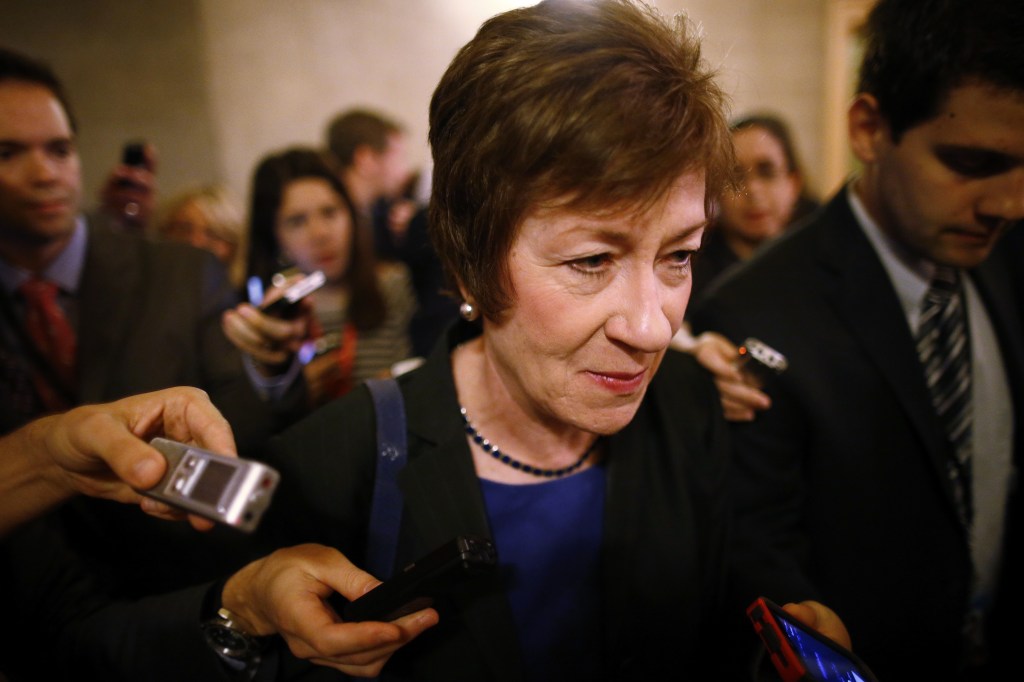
(78, 631)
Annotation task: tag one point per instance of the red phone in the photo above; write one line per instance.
(800, 654)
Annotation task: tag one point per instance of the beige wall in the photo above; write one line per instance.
(215, 84)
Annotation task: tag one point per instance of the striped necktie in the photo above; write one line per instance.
(943, 345)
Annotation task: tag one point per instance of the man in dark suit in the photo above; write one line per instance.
(123, 316)
(851, 488)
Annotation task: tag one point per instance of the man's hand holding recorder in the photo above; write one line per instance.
(102, 451)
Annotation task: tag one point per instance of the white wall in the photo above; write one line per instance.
(280, 71)
(218, 83)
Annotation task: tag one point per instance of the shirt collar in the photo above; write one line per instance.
(65, 270)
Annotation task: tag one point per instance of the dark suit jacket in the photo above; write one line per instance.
(148, 318)
(665, 533)
(841, 491)
(665, 541)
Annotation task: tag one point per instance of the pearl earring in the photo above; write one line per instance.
(468, 311)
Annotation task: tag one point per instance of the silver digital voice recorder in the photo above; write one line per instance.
(225, 489)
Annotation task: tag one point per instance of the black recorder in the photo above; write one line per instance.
(132, 154)
(228, 490)
(288, 304)
(760, 361)
(420, 583)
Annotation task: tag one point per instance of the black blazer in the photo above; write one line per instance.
(841, 491)
(665, 543)
(148, 318)
(665, 534)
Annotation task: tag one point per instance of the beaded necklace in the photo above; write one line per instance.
(507, 460)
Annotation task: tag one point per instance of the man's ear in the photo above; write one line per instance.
(867, 128)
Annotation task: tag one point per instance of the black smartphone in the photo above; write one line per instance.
(423, 581)
(134, 154)
(760, 361)
(800, 654)
(288, 304)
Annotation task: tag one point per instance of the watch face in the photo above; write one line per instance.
(229, 642)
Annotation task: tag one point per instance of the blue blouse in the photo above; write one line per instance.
(548, 537)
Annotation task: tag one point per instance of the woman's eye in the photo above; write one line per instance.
(681, 257)
(591, 264)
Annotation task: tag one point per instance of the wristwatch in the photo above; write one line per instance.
(240, 649)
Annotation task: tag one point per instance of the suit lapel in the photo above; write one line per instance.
(443, 499)
(861, 293)
(110, 279)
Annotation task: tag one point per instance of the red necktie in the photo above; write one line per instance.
(54, 339)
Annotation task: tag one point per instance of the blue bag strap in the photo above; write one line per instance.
(386, 508)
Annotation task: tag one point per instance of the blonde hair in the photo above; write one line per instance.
(225, 217)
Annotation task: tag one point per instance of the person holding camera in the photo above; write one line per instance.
(358, 320)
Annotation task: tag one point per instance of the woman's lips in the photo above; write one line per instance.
(620, 382)
(326, 263)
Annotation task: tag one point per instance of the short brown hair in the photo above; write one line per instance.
(358, 127)
(602, 104)
(18, 67)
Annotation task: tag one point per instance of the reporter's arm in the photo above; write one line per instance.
(100, 450)
(741, 400)
(284, 593)
(269, 343)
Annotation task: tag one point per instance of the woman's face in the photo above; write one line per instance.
(189, 224)
(314, 228)
(596, 301)
(764, 205)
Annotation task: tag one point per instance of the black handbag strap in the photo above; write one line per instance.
(386, 508)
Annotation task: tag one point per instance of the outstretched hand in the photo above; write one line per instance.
(102, 451)
(285, 593)
(270, 341)
(741, 398)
